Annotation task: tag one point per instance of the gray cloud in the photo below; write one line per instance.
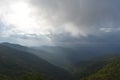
(62, 21)
(85, 15)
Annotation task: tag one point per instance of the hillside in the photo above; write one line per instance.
(15, 63)
(110, 71)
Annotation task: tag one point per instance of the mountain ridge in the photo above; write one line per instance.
(31, 61)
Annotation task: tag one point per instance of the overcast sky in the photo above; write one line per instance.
(59, 22)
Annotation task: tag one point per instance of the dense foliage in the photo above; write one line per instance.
(111, 71)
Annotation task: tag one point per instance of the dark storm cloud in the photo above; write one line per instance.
(99, 20)
(86, 15)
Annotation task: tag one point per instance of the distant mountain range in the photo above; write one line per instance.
(61, 56)
(59, 63)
